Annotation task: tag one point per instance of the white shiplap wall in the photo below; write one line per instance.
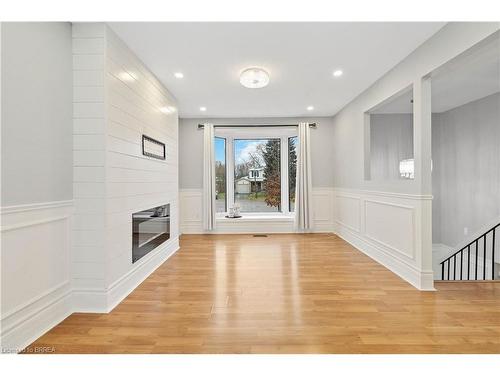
(135, 182)
(117, 100)
(89, 160)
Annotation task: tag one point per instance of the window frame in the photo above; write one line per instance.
(288, 161)
(225, 170)
(258, 133)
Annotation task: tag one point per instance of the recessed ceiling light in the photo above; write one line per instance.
(254, 78)
(178, 75)
(203, 109)
(310, 108)
(338, 73)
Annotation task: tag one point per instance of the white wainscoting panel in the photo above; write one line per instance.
(380, 220)
(190, 207)
(386, 227)
(191, 216)
(348, 211)
(323, 210)
(36, 284)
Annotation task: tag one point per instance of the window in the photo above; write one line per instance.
(262, 165)
(220, 175)
(253, 192)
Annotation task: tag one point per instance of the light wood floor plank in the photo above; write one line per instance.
(311, 293)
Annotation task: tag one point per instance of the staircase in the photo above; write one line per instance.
(475, 261)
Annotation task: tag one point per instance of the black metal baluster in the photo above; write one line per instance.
(461, 263)
(468, 247)
(484, 258)
(476, 257)
(493, 256)
(468, 262)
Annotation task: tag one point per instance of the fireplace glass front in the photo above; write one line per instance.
(150, 228)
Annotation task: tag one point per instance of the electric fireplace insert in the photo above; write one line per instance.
(150, 228)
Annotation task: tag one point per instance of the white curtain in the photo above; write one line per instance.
(208, 177)
(303, 187)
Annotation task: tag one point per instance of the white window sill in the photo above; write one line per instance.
(257, 217)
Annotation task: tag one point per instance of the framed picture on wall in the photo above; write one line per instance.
(153, 148)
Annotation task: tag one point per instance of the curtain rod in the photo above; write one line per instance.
(201, 126)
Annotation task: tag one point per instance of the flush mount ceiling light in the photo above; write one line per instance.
(203, 109)
(178, 75)
(254, 78)
(310, 108)
(338, 73)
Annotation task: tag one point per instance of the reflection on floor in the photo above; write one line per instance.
(310, 293)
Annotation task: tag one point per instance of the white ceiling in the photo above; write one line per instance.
(400, 103)
(300, 58)
(470, 77)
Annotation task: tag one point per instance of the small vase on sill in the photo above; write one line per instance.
(236, 210)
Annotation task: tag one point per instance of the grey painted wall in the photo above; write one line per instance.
(191, 148)
(391, 140)
(36, 113)
(466, 173)
(436, 180)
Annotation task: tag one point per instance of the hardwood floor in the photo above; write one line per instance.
(309, 293)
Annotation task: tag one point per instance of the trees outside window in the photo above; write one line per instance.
(220, 175)
(292, 171)
(271, 154)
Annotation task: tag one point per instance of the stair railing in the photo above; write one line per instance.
(475, 270)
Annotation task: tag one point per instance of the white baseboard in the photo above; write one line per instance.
(103, 301)
(420, 280)
(22, 327)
